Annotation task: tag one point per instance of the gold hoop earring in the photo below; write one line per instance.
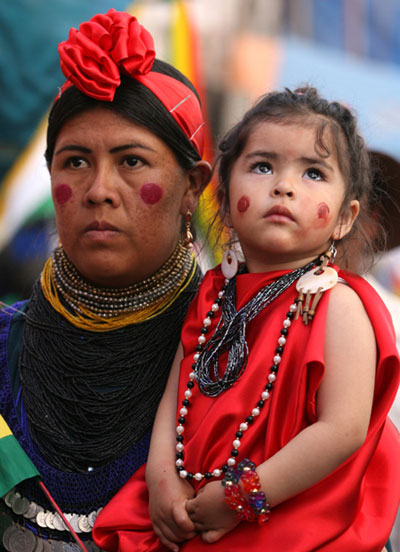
(188, 239)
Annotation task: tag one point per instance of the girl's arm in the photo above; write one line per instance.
(344, 403)
(167, 491)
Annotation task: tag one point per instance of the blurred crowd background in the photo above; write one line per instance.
(234, 51)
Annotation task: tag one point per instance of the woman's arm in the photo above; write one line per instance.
(167, 491)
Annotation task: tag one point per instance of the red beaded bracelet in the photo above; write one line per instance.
(256, 507)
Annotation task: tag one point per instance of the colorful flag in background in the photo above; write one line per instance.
(15, 465)
(185, 56)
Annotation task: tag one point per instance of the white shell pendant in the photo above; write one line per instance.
(229, 264)
(313, 282)
(316, 279)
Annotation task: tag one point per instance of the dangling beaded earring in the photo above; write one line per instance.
(315, 282)
(230, 263)
(188, 239)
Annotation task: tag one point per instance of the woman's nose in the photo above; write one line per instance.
(102, 187)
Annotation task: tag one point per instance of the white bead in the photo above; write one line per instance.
(226, 281)
(255, 412)
(220, 294)
(180, 447)
(244, 426)
(183, 474)
(179, 462)
(231, 462)
(282, 340)
(277, 359)
(196, 357)
(214, 307)
(236, 443)
(217, 472)
(201, 339)
(183, 411)
(293, 307)
(286, 323)
(188, 393)
(192, 375)
(180, 429)
(264, 395)
(272, 377)
(198, 476)
(207, 321)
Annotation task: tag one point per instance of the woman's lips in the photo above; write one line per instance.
(101, 230)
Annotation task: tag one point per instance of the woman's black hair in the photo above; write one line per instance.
(335, 124)
(134, 101)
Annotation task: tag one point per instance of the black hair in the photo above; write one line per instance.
(305, 106)
(134, 101)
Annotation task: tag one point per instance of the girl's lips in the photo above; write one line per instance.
(279, 212)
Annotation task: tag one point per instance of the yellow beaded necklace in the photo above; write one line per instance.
(67, 291)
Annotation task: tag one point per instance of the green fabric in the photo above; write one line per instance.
(15, 466)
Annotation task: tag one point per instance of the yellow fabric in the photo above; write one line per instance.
(4, 429)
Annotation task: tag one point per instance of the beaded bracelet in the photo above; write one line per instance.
(256, 507)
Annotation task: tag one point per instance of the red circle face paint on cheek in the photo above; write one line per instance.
(323, 210)
(243, 204)
(151, 193)
(62, 193)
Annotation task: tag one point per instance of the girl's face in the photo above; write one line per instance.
(285, 200)
(119, 195)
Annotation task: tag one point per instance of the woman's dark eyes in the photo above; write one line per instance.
(76, 162)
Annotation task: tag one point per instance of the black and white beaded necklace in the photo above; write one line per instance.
(229, 335)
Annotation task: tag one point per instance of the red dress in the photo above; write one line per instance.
(351, 509)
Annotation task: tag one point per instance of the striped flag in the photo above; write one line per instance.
(15, 465)
(185, 56)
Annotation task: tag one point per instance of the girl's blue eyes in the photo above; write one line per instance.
(265, 168)
(314, 174)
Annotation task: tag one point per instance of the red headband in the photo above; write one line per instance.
(94, 57)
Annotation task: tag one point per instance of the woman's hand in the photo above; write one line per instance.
(167, 508)
(210, 514)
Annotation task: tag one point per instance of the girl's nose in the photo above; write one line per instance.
(283, 187)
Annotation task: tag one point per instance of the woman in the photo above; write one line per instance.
(84, 362)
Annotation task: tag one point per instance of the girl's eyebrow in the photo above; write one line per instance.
(260, 153)
(316, 161)
(306, 160)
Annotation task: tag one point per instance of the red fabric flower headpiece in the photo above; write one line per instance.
(114, 43)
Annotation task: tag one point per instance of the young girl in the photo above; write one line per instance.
(287, 368)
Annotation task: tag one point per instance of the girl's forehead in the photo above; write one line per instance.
(302, 135)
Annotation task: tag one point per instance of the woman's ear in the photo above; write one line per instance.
(198, 177)
(346, 221)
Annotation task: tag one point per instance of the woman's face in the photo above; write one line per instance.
(119, 194)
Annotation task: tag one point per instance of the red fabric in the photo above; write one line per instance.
(351, 509)
(113, 43)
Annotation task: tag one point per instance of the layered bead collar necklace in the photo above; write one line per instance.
(102, 309)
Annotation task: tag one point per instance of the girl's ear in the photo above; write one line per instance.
(197, 179)
(346, 221)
